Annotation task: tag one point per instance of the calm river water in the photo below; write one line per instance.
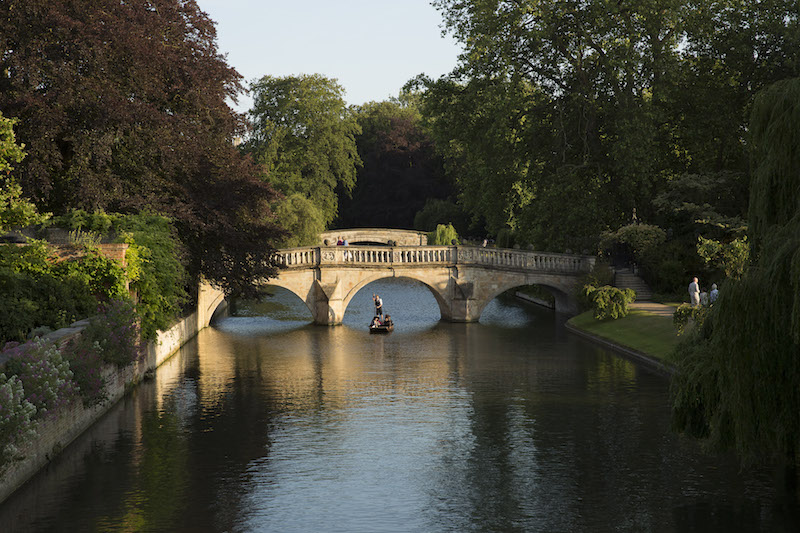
(268, 423)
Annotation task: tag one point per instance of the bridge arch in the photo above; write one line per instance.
(441, 301)
(562, 293)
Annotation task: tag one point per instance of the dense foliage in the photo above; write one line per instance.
(401, 170)
(738, 373)
(42, 379)
(15, 210)
(38, 289)
(304, 138)
(444, 235)
(17, 423)
(154, 269)
(122, 107)
(45, 376)
(608, 302)
(565, 116)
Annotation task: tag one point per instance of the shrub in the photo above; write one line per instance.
(45, 376)
(608, 302)
(105, 278)
(116, 331)
(86, 362)
(685, 312)
(16, 418)
(33, 293)
(155, 270)
(443, 236)
(640, 237)
(600, 275)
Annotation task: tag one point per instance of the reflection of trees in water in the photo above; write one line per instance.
(472, 427)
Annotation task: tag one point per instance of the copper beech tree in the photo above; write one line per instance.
(122, 106)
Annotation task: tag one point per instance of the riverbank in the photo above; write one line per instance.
(54, 435)
(646, 334)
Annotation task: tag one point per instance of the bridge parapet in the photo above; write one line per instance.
(409, 256)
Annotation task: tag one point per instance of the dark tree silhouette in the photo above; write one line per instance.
(122, 107)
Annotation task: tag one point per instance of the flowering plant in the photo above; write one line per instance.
(116, 330)
(45, 375)
(86, 361)
(16, 418)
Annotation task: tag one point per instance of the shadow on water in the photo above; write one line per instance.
(268, 423)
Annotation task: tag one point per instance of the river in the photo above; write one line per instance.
(268, 423)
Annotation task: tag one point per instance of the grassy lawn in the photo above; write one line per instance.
(642, 331)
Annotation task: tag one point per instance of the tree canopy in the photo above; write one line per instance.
(122, 107)
(738, 375)
(304, 138)
(564, 116)
(401, 169)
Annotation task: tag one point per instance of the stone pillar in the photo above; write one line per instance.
(464, 307)
(328, 305)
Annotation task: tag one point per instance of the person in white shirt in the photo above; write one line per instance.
(694, 293)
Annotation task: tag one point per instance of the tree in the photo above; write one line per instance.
(737, 376)
(301, 218)
(122, 107)
(401, 168)
(304, 138)
(564, 116)
(14, 209)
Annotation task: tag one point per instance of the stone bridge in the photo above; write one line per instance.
(462, 279)
(393, 237)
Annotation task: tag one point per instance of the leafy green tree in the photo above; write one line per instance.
(564, 116)
(304, 138)
(737, 381)
(122, 106)
(302, 219)
(487, 131)
(444, 235)
(14, 209)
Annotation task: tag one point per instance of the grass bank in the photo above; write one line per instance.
(644, 331)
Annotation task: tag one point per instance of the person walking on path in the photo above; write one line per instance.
(694, 293)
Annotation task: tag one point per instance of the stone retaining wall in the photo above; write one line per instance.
(56, 434)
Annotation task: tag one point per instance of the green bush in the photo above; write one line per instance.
(34, 291)
(443, 236)
(105, 278)
(155, 271)
(157, 275)
(608, 302)
(115, 330)
(640, 237)
(686, 312)
(600, 275)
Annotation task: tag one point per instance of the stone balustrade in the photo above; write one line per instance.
(377, 256)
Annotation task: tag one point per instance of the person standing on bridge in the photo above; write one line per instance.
(378, 305)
